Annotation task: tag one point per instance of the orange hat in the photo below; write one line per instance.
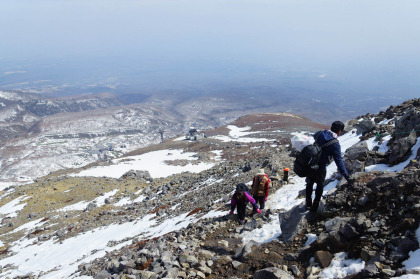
(286, 169)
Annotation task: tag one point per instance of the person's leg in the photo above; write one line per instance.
(261, 202)
(241, 208)
(319, 180)
(309, 190)
(318, 195)
(257, 200)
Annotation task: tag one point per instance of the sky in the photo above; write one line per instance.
(228, 28)
(64, 257)
(370, 45)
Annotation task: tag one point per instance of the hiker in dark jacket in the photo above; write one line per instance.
(330, 152)
(240, 199)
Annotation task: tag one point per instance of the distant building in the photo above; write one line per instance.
(102, 149)
(193, 134)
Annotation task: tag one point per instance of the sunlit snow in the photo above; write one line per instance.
(153, 162)
(12, 208)
(99, 201)
(239, 134)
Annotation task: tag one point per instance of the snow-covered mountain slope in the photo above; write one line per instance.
(39, 136)
(114, 218)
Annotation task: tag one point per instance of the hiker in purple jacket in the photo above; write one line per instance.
(240, 199)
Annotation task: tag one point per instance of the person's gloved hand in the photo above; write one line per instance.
(258, 210)
(265, 199)
(231, 212)
(347, 178)
(350, 184)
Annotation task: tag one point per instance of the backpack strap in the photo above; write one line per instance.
(317, 136)
(328, 143)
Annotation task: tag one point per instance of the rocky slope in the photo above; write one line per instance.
(374, 218)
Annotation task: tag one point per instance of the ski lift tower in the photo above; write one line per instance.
(161, 131)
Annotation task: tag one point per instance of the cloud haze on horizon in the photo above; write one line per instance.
(373, 44)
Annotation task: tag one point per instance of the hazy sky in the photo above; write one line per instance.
(375, 40)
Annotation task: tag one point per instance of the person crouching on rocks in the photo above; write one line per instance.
(240, 199)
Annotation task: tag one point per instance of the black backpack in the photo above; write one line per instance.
(307, 160)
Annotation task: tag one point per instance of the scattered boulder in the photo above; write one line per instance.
(323, 258)
(245, 250)
(137, 174)
(104, 274)
(349, 232)
(336, 223)
(401, 148)
(407, 123)
(91, 206)
(32, 215)
(292, 222)
(242, 267)
(359, 151)
(272, 273)
(365, 126)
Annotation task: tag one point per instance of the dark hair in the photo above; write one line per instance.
(241, 187)
(337, 126)
(240, 196)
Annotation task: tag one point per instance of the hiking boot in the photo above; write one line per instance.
(311, 216)
(314, 207)
(308, 204)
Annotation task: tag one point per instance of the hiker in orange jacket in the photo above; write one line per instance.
(260, 187)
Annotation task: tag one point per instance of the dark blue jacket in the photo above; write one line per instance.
(330, 152)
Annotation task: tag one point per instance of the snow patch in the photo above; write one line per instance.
(341, 267)
(12, 208)
(153, 162)
(400, 166)
(99, 201)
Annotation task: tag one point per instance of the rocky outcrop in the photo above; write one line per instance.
(356, 157)
(407, 123)
(364, 225)
(365, 126)
(272, 273)
(137, 174)
(292, 222)
(401, 148)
